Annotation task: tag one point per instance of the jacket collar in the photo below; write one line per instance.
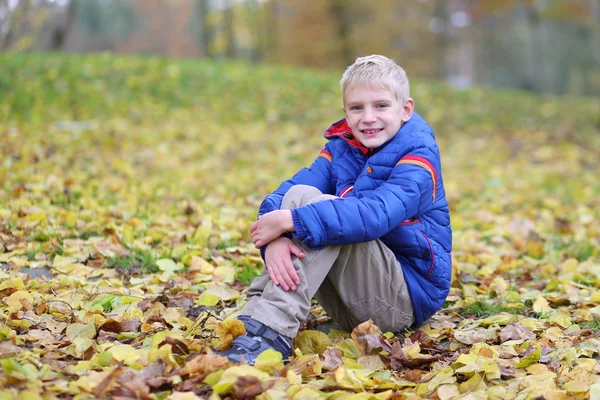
(342, 130)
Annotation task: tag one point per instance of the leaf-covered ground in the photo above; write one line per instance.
(129, 184)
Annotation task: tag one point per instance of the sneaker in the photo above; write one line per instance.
(257, 339)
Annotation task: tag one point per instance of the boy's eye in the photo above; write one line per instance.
(355, 108)
(382, 105)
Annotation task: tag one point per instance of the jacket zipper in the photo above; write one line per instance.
(410, 221)
(430, 252)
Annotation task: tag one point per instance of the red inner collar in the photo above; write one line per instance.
(343, 130)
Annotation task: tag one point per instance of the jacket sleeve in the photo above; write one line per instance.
(409, 191)
(318, 175)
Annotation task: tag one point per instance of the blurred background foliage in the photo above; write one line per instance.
(549, 46)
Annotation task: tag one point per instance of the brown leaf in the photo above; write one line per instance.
(361, 331)
(413, 375)
(178, 347)
(111, 247)
(159, 381)
(506, 372)
(203, 363)
(9, 349)
(134, 384)
(246, 387)
(425, 341)
(332, 359)
(145, 305)
(107, 383)
(105, 336)
(398, 359)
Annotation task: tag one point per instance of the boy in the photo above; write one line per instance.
(365, 229)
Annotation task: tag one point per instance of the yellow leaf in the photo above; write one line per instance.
(500, 319)
(128, 234)
(87, 331)
(167, 265)
(569, 265)
(208, 299)
(126, 353)
(473, 384)
(183, 396)
(16, 301)
(201, 265)
(230, 375)
(560, 319)
(447, 392)
(312, 342)
(595, 298)
(535, 249)
(577, 387)
(269, 361)
(541, 305)
(531, 358)
(165, 353)
(224, 274)
(498, 285)
(227, 331)
(412, 351)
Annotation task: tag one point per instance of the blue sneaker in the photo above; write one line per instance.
(257, 339)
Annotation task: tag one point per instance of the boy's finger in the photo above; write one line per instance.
(277, 273)
(289, 265)
(273, 277)
(289, 283)
(297, 251)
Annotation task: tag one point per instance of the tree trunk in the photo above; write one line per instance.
(340, 13)
(61, 31)
(230, 50)
(441, 40)
(205, 33)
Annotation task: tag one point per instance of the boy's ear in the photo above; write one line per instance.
(409, 108)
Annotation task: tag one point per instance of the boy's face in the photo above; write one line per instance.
(375, 114)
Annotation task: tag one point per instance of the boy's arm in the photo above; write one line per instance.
(409, 191)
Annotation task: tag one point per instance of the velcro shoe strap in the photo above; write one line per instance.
(245, 343)
(278, 341)
(254, 327)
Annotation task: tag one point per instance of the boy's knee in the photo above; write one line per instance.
(321, 197)
(299, 195)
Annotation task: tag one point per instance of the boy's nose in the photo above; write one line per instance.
(369, 115)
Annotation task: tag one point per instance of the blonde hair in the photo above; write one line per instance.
(377, 71)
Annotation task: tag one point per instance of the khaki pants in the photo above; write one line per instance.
(353, 283)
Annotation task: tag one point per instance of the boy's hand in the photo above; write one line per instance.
(270, 226)
(278, 259)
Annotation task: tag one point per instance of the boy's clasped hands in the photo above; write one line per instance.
(278, 255)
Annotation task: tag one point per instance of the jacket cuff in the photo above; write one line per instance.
(301, 233)
(262, 251)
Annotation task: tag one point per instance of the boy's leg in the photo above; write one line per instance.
(297, 196)
(367, 282)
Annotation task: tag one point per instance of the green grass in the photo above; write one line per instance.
(40, 88)
(481, 308)
(142, 260)
(593, 325)
(247, 274)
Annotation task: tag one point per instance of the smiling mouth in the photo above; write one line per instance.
(371, 131)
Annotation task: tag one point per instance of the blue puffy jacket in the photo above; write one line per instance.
(398, 192)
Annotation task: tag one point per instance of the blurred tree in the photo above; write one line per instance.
(342, 19)
(204, 31)
(21, 22)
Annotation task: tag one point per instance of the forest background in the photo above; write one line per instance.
(539, 45)
(128, 183)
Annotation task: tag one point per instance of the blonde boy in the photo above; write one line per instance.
(365, 230)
